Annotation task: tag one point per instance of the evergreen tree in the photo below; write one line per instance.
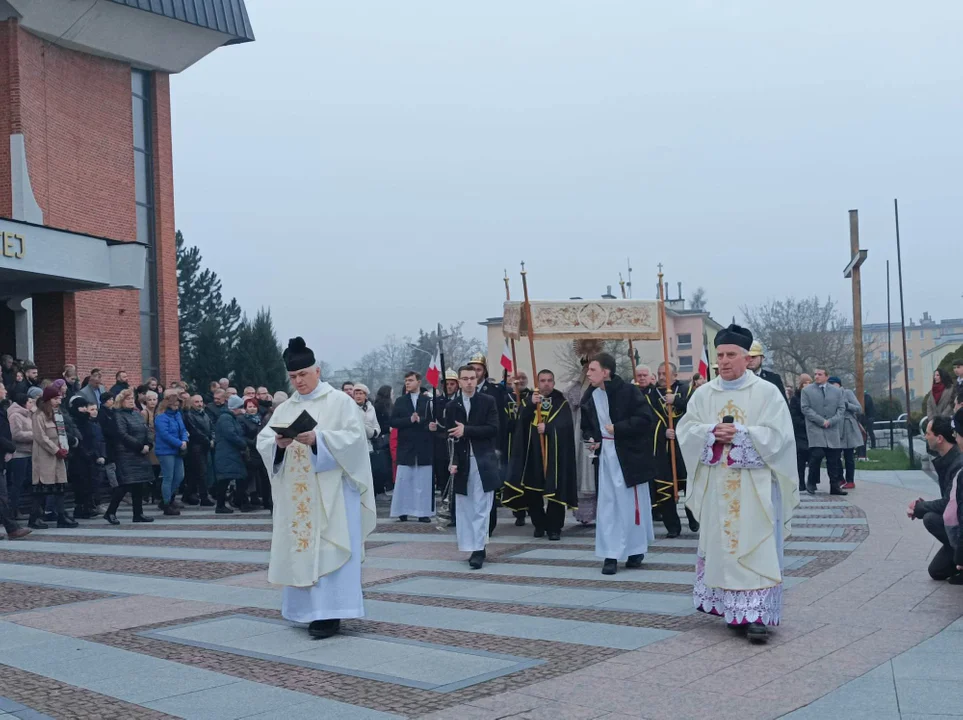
(211, 357)
(202, 313)
(256, 359)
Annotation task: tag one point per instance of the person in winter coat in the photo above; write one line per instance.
(7, 448)
(799, 429)
(50, 450)
(852, 433)
(372, 427)
(81, 468)
(149, 413)
(170, 447)
(200, 444)
(247, 500)
(229, 447)
(939, 403)
(132, 447)
(20, 466)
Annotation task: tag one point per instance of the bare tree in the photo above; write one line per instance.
(800, 335)
(698, 301)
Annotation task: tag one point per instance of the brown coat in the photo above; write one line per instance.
(48, 469)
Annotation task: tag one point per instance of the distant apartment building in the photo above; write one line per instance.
(927, 343)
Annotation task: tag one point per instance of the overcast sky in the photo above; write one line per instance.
(369, 168)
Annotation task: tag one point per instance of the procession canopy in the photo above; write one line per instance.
(582, 319)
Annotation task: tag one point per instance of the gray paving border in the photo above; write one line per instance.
(521, 663)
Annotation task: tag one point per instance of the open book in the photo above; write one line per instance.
(302, 423)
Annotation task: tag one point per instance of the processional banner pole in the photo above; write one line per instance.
(531, 347)
(518, 390)
(668, 384)
(631, 346)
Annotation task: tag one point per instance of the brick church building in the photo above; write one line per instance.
(87, 259)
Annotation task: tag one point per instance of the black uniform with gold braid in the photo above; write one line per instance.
(664, 498)
(534, 479)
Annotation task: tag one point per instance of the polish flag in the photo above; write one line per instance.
(704, 362)
(506, 361)
(433, 375)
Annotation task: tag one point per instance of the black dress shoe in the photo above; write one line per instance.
(635, 561)
(223, 510)
(37, 524)
(694, 526)
(170, 510)
(673, 534)
(476, 560)
(737, 627)
(811, 489)
(837, 491)
(247, 507)
(520, 521)
(65, 521)
(323, 629)
(554, 535)
(757, 633)
(111, 518)
(424, 519)
(143, 519)
(191, 500)
(539, 532)
(610, 566)
(207, 502)
(402, 518)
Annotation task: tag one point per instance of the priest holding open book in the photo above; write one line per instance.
(316, 453)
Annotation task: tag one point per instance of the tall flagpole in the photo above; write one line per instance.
(668, 384)
(631, 345)
(518, 390)
(531, 347)
(902, 323)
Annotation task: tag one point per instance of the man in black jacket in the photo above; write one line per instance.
(7, 447)
(472, 419)
(541, 474)
(616, 422)
(949, 461)
(411, 415)
(756, 358)
(200, 442)
(661, 401)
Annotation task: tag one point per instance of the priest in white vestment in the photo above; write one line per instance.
(618, 424)
(324, 503)
(738, 436)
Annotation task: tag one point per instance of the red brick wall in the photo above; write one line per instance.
(165, 230)
(75, 111)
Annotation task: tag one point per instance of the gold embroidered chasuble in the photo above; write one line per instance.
(734, 504)
(311, 537)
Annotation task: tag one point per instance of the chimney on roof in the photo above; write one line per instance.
(608, 293)
(680, 291)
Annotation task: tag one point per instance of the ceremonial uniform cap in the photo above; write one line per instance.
(478, 359)
(734, 335)
(756, 349)
(450, 374)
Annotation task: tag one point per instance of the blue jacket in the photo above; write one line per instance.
(229, 447)
(169, 433)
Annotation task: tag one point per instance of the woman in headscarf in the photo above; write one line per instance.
(371, 426)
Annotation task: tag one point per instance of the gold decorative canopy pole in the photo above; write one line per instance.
(531, 347)
(631, 345)
(518, 390)
(668, 384)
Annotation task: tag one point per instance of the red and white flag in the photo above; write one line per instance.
(506, 361)
(433, 375)
(704, 362)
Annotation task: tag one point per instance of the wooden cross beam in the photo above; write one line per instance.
(851, 272)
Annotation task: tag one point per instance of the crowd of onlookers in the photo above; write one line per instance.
(168, 446)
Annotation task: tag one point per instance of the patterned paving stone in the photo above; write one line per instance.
(189, 569)
(18, 597)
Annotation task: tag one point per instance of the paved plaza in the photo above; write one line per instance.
(176, 619)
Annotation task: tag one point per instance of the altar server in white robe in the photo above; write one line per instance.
(324, 503)
(414, 487)
(738, 436)
(472, 421)
(618, 424)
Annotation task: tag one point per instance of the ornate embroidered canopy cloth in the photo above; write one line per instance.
(581, 319)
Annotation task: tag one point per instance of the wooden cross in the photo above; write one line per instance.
(852, 272)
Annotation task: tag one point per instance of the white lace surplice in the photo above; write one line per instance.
(743, 606)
